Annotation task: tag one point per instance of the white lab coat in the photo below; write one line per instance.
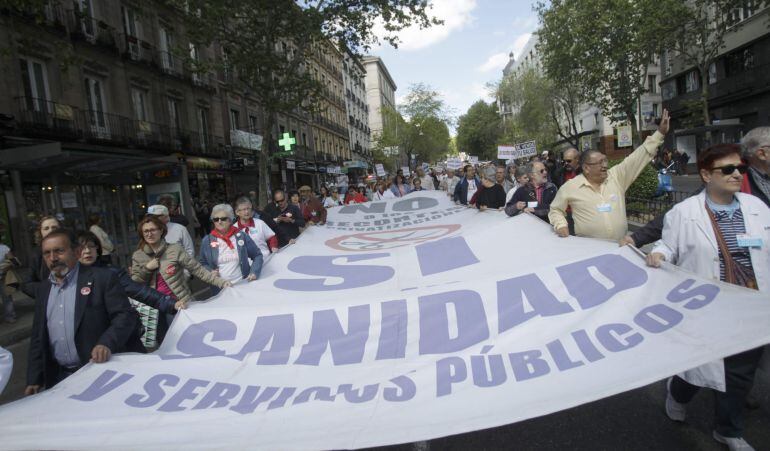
(6, 365)
(689, 242)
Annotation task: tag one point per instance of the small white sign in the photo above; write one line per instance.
(380, 170)
(291, 164)
(624, 136)
(405, 169)
(454, 163)
(473, 159)
(520, 150)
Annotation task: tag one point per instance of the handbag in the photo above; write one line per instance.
(735, 272)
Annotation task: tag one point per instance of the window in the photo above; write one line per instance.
(692, 81)
(139, 100)
(203, 126)
(654, 110)
(667, 54)
(652, 83)
(34, 77)
(668, 90)
(235, 119)
(130, 23)
(166, 44)
(741, 13)
(739, 61)
(173, 113)
(712, 73)
(253, 124)
(95, 101)
(86, 23)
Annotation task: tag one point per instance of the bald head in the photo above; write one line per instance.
(570, 157)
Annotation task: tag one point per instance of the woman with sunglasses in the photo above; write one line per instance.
(227, 251)
(719, 234)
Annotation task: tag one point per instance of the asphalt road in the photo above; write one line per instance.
(630, 421)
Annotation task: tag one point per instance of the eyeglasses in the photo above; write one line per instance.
(604, 161)
(543, 171)
(730, 168)
(149, 231)
(220, 219)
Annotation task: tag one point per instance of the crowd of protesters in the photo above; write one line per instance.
(721, 232)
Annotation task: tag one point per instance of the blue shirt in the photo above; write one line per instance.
(60, 315)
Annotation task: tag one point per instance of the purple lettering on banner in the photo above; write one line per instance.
(406, 387)
(354, 276)
(588, 291)
(444, 255)
(276, 330)
(697, 297)
(347, 348)
(155, 393)
(282, 397)
(191, 341)
(658, 318)
(488, 378)
(252, 398)
(318, 394)
(103, 385)
(510, 301)
(373, 207)
(392, 343)
(471, 321)
(414, 204)
(611, 337)
(449, 370)
(528, 365)
(560, 356)
(587, 348)
(219, 395)
(185, 392)
(357, 396)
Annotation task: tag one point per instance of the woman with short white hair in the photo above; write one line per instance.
(250, 222)
(226, 251)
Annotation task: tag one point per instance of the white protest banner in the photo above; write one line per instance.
(473, 159)
(380, 170)
(454, 163)
(624, 136)
(520, 150)
(405, 170)
(398, 321)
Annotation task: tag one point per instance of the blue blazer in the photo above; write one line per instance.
(461, 190)
(248, 250)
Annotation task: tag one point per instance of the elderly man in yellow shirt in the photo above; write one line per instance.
(597, 197)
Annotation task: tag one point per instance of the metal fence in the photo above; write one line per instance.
(644, 210)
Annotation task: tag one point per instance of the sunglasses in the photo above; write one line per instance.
(220, 219)
(567, 161)
(730, 168)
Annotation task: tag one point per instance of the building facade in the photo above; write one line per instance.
(380, 94)
(357, 109)
(738, 85)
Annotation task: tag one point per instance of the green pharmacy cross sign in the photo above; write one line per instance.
(286, 142)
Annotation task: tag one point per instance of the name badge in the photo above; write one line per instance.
(604, 208)
(532, 204)
(313, 213)
(745, 240)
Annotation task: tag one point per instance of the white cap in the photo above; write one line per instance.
(158, 210)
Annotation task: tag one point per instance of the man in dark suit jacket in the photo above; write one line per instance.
(81, 314)
(461, 189)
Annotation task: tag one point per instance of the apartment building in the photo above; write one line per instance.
(738, 85)
(380, 93)
(357, 109)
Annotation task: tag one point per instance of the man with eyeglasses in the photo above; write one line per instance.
(568, 169)
(288, 217)
(536, 196)
(597, 196)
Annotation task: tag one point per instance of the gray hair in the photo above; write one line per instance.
(754, 139)
(489, 172)
(521, 171)
(243, 201)
(530, 167)
(222, 207)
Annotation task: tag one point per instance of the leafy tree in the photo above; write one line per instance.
(604, 47)
(269, 44)
(478, 131)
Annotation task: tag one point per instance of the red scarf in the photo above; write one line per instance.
(246, 226)
(215, 233)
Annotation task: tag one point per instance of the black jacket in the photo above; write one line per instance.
(38, 273)
(102, 317)
(284, 230)
(461, 190)
(527, 193)
(557, 175)
(492, 197)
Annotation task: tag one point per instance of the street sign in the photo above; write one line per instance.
(624, 136)
(520, 150)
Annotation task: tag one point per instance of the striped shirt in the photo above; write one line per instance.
(730, 228)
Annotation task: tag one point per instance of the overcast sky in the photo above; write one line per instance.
(460, 57)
